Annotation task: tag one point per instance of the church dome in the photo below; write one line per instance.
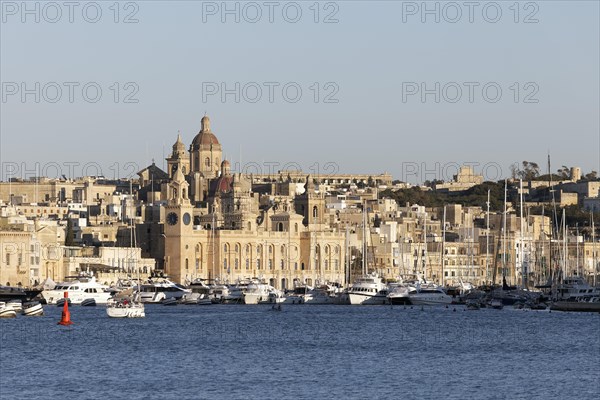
(205, 137)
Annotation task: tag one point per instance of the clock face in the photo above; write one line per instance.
(172, 218)
(187, 218)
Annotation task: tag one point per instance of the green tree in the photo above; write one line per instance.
(70, 235)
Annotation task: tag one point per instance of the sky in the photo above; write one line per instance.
(414, 89)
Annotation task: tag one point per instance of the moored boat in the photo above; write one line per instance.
(429, 294)
(33, 309)
(81, 288)
(125, 308)
(591, 305)
(368, 289)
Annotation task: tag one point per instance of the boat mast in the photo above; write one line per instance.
(212, 234)
(348, 255)
(424, 254)
(504, 236)
(443, 244)
(487, 239)
(521, 251)
(565, 248)
(594, 250)
(577, 249)
(364, 244)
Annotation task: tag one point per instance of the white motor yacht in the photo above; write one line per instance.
(218, 293)
(81, 288)
(575, 288)
(323, 294)
(299, 295)
(399, 294)
(235, 293)
(429, 294)
(158, 289)
(200, 293)
(257, 292)
(368, 289)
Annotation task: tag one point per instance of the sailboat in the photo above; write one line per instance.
(124, 305)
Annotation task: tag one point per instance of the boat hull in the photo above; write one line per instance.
(126, 312)
(428, 300)
(579, 306)
(404, 300)
(367, 299)
(255, 298)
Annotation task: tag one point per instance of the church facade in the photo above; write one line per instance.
(219, 226)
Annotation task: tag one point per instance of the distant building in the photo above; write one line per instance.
(465, 179)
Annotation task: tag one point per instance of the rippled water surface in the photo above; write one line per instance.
(252, 352)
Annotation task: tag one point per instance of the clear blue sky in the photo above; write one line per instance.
(373, 54)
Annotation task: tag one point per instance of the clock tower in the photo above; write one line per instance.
(179, 254)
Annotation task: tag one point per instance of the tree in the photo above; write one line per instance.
(528, 172)
(69, 235)
(531, 170)
(592, 176)
(564, 172)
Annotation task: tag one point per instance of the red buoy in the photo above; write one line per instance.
(66, 315)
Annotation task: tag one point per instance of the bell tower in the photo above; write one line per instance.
(311, 205)
(179, 256)
(179, 159)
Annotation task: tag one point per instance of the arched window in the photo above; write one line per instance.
(296, 227)
(280, 227)
(225, 248)
(315, 212)
(207, 162)
(282, 250)
(187, 263)
(237, 248)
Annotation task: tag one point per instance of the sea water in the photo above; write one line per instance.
(302, 351)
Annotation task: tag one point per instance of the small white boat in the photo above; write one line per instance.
(33, 309)
(125, 308)
(6, 311)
